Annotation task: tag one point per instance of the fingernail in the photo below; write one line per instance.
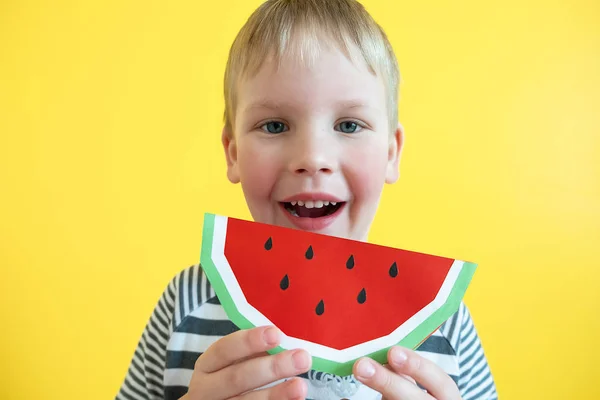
(301, 360)
(271, 336)
(397, 356)
(365, 369)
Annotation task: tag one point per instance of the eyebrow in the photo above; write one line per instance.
(265, 104)
(271, 105)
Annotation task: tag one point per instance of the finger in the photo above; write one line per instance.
(407, 377)
(292, 389)
(255, 373)
(391, 385)
(429, 375)
(250, 357)
(237, 346)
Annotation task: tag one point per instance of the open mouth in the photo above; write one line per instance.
(312, 209)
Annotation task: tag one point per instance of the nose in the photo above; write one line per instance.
(312, 154)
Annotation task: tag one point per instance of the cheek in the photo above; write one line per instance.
(257, 171)
(366, 171)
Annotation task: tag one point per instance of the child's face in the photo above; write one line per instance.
(312, 147)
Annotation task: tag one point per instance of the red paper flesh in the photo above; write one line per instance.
(345, 322)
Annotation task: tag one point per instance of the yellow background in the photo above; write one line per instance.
(110, 116)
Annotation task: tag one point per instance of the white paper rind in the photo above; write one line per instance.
(340, 356)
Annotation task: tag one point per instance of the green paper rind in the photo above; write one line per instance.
(412, 340)
(215, 279)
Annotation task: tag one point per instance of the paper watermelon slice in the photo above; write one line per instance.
(338, 299)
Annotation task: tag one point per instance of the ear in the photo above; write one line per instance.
(230, 147)
(394, 152)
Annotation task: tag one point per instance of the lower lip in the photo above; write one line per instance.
(312, 224)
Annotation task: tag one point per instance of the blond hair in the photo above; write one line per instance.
(284, 28)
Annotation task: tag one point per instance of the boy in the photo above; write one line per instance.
(312, 134)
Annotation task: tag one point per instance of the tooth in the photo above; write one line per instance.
(318, 204)
(325, 203)
(300, 203)
(293, 203)
(309, 204)
(333, 203)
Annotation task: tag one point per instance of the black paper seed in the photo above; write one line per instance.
(309, 253)
(350, 262)
(393, 270)
(269, 244)
(285, 283)
(320, 308)
(362, 296)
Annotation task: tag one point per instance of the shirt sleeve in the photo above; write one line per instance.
(144, 378)
(475, 381)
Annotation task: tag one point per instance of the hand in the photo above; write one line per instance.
(237, 364)
(397, 380)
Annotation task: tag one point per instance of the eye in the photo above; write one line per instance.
(274, 127)
(349, 127)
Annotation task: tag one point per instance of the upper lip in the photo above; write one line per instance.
(312, 196)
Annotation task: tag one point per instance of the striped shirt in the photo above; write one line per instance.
(188, 318)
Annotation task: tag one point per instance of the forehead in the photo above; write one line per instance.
(329, 77)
